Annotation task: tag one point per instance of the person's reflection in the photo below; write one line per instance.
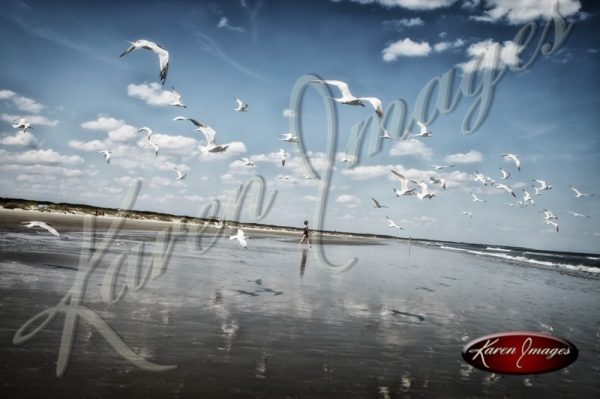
(303, 261)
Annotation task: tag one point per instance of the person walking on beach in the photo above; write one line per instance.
(305, 234)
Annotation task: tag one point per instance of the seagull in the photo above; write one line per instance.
(289, 137)
(346, 159)
(510, 204)
(180, 175)
(505, 174)
(476, 198)
(537, 190)
(153, 145)
(106, 155)
(403, 186)
(43, 225)
(579, 194)
(22, 124)
(377, 204)
(425, 193)
(581, 215)
(288, 179)
(543, 185)
(283, 155)
(386, 134)
(349, 99)
(219, 224)
(240, 105)
(247, 162)
(163, 55)
(440, 167)
(423, 130)
(548, 215)
(148, 131)
(506, 188)
(240, 237)
(469, 214)
(441, 181)
(553, 224)
(208, 133)
(177, 102)
(513, 158)
(527, 198)
(391, 223)
(479, 177)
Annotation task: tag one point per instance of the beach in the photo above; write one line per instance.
(275, 321)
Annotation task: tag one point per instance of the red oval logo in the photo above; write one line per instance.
(520, 352)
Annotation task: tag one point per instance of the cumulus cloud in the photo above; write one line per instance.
(399, 24)
(366, 172)
(44, 170)
(22, 139)
(444, 46)
(152, 94)
(33, 119)
(469, 157)
(487, 55)
(94, 145)
(48, 156)
(516, 12)
(411, 147)
(22, 103)
(409, 4)
(405, 48)
(172, 143)
(105, 123)
(351, 201)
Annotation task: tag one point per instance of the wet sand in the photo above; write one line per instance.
(274, 321)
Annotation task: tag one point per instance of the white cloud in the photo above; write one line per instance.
(399, 24)
(105, 123)
(412, 147)
(349, 200)
(44, 170)
(22, 103)
(366, 172)
(94, 145)
(33, 119)
(491, 55)
(516, 12)
(224, 24)
(469, 157)
(443, 46)
(123, 133)
(171, 143)
(310, 198)
(22, 139)
(405, 48)
(152, 94)
(410, 4)
(39, 156)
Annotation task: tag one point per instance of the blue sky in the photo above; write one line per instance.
(61, 70)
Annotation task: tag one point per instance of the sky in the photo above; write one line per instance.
(61, 71)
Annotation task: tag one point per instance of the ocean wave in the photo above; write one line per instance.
(498, 249)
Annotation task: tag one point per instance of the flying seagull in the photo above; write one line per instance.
(289, 137)
(505, 174)
(22, 124)
(404, 190)
(554, 224)
(148, 132)
(476, 198)
(441, 181)
(240, 237)
(469, 214)
(423, 132)
(208, 133)
(376, 204)
(43, 225)
(425, 193)
(543, 185)
(247, 162)
(548, 215)
(581, 215)
(440, 167)
(163, 55)
(178, 102)
(106, 155)
(579, 194)
(527, 198)
(391, 223)
(240, 105)
(506, 188)
(180, 175)
(283, 155)
(513, 158)
(349, 99)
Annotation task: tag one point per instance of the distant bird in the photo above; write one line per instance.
(288, 179)
(423, 132)
(393, 224)
(537, 191)
(219, 224)
(580, 215)
(43, 225)
(506, 188)
(548, 215)
(22, 124)
(240, 237)
(282, 155)
(543, 185)
(469, 214)
(476, 198)
(480, 177)
(441, 181)
(404, 190)
(349, 99)
(247, 162)
(425, 193)
(579, 194)
(148, 132)
(505, 175)
(376, 204)
(289, 138)
(106, 155)
(386, 134)
(240, 105)
(346, 159)
(180, 175)
(554, 224)
(208, 133)
(514, 158)
(152, 145)
(440, 167)
(177, 102)
(527, 198)
(163, 55)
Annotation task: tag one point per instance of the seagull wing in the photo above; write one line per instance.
(342, 86)
(375, 103)
(209, 133)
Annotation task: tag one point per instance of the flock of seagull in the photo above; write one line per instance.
(346, 98)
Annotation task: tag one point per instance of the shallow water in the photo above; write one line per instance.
(275, 321)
